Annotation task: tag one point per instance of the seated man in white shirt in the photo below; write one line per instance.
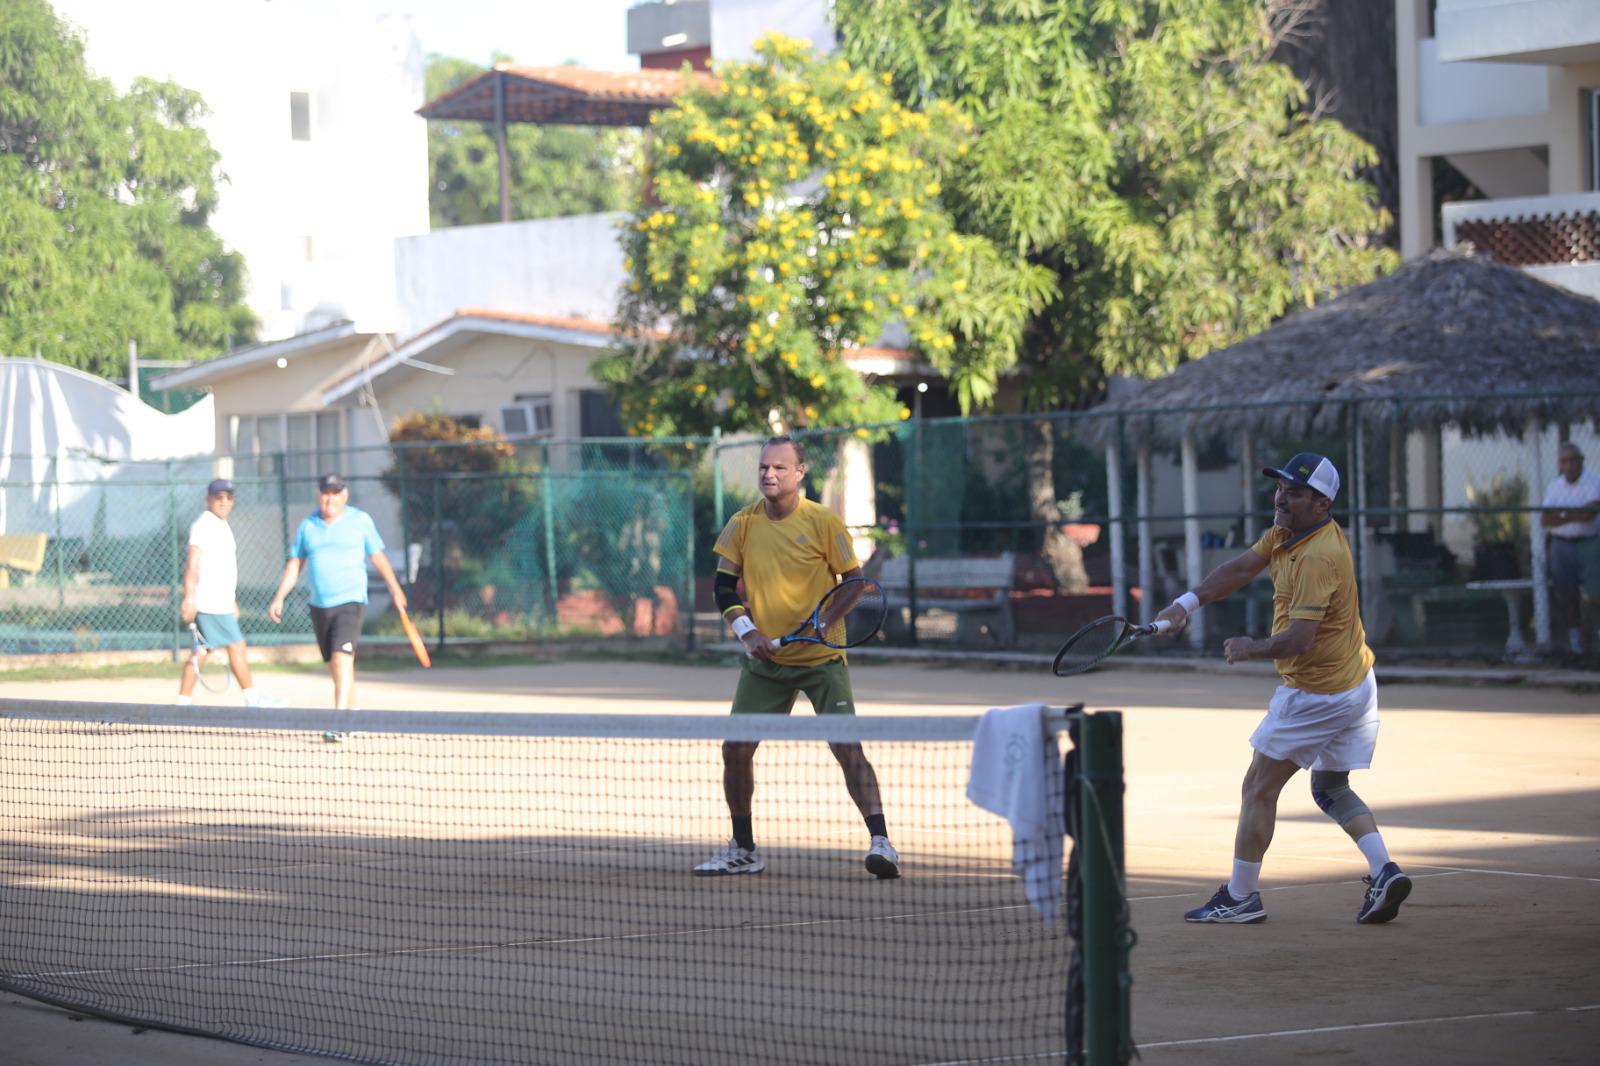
(210, 588)
(1572, 518)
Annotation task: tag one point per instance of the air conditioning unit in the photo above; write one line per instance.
(526, 418)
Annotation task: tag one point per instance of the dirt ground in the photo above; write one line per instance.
(1488, 796)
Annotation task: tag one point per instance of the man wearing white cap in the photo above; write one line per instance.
(1324, 717)
(210, 590)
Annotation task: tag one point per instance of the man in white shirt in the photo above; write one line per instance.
(210, 585)
(1572, 518)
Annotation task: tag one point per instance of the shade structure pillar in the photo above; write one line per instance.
(1538, 540)
(1249, 478)
(1147, 555)
(1364, 573)
(1119, 576)
(501, 153)
(1194, 561)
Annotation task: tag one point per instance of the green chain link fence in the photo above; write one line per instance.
(614, 536)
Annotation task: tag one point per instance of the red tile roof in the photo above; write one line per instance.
(565, 95)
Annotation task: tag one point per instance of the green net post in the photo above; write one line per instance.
(1107, 938)
(547, 498)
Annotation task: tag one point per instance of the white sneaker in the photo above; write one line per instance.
(257, 698)
(731, 859)
(883, 862)
(185, 701)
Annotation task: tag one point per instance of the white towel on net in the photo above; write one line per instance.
(1017, 774)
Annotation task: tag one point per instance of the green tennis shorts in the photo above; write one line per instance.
(769, 688)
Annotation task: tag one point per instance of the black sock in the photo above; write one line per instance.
(742, 832)
(875, 825)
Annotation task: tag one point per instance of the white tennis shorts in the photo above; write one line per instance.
(1321, 730)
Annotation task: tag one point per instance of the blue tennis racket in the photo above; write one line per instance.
(850, 614)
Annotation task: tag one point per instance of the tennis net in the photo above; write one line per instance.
(515, 888)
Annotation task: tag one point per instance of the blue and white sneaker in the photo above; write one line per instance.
(1224, 908)
(1385, 893)
(731, 859)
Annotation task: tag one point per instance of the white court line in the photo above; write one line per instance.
(1349, 861)
(1362, 1026)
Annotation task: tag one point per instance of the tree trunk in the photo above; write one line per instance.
(1061, 553)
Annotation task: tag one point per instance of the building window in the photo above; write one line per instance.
(300, 116)
(528, 416)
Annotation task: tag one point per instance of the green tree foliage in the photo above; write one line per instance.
(793, 212)
(1153, 158)
(473, 470)
(555, 170)
(104, 208)
(1150, 154)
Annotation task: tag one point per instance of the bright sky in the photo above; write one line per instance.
(593, 33)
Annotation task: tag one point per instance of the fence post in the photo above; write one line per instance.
(438, 561)
(1147, 555)
(688, 574)
(405, 526)
(174, 593)
(283, 502)
(716, 478)
(61, 573)
(1249, 482)
(1106, 938)
(546, 494)
(913, 476)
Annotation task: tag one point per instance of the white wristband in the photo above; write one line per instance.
(743, 625)
(1188, 601)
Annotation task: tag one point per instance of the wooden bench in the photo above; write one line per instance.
(23, 552)
(977, 589)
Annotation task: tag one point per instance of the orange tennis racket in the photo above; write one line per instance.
(416, 639)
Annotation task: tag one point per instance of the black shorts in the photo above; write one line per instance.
(338, 628)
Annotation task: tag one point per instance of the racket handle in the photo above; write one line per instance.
(1160, 625)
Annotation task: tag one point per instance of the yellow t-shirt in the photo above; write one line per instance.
(1313, 577)
(788, 566)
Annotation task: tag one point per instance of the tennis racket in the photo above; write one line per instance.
(212, 670)
(416, 639)
(1095, 642)
(850, 614)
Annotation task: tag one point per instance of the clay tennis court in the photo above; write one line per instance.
(1490, 797)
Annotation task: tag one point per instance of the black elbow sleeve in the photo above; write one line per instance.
(726, 592)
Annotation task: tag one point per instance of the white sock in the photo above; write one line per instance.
(1246, 877)
(185, 701)
(1377, 855)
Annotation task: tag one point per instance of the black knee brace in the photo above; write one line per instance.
(1331, 791)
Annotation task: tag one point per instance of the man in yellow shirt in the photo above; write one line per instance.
(1324, 717)
(790, 552)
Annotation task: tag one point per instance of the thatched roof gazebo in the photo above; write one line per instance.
(1450, 338)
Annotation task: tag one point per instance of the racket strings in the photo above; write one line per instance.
(852, 609)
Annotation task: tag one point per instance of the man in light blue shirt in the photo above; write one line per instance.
(333, 546)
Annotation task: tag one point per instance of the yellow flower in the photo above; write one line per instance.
(818, 380)
(931, 189)
(693, 279)
(700, 389)
(959, 285)
(905, 413)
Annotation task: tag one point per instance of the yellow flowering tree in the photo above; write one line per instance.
(792, 213)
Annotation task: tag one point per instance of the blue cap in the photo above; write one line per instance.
(1313, 471)
(219, 486)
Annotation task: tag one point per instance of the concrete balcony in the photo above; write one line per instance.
(1471, 92)
(1556, 238)
(1542, 32)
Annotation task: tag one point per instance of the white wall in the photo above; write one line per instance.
(557, 266)
(1464, 92)
(735, 25)
(356, 185)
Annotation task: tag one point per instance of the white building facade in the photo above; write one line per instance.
(312, 111)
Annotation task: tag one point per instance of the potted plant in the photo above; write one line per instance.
(1500, 527)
